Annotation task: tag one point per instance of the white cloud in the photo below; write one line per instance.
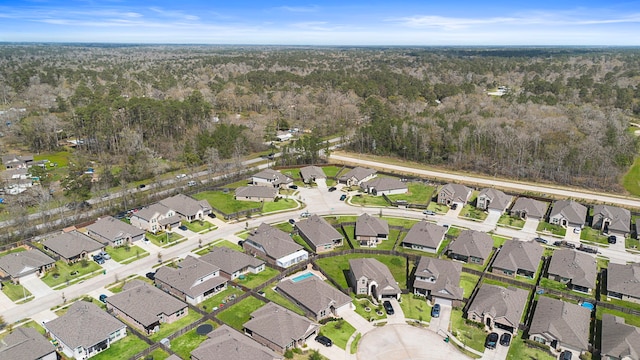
(299, 9)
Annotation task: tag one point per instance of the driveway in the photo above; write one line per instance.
(571, 236)
(321, 183)
(492, 218)
(398, 314)
(361, 324)
(499, 353)
(530, 226)
(441, 322)
(36, 286)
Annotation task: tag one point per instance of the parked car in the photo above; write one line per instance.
(563, 243)
(576, 230)
(332, 189)
(388, 307)
(305, 214)
(505, 339)
(612, 239)
(343, 197)
(566, 355)
(293, 186)
(191, 183)
(211, 215)
(491, 341)
(324, 340)
(103, 298)
(142, 186)
(99, 259)
(183, 228)
(291, 221)
(151, 275)
(181, 176)
(105, 255)
(429, 212)
(435, 311)
(454, 206)
(541, 240)
(588, 249)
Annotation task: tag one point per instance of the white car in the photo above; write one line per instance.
(181, 176)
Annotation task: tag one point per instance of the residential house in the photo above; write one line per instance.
(226, 343)
(568, 213)
(25, 343)
(357, 175)
(526, 208)
(145, 306)
(319, 234)
(278, 328)
(424, 236)
(256, 193)
(21, 265)
(270, 177)
(309, 174)
(233, 263)
(188, 208)
(13, 161)
(611, 220)
(193, 281)
(561, 325)
(518, 258)
(275, 246)
(619, 340)
(72, 246)
(454, 193)
(318, 299)
(498, 307)
(623, 282)
(85, 330)
(438, 280)
(370, 230)
(471, 246)
(384, 185)
(155, 218)
(111, 231)
(491, 199)
(368, 276)
(575, 269)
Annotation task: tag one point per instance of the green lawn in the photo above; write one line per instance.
(552, 284)
(337, 267)
(520, 350)
(631, 180)
(631, 243)
(61, 158)
(126, 254)
(168, 329)
(117, 287)
(338, 331)
(405, 223)
(274, 296)
(199, 225)
(390, 242)
(354, 344)
(498, 240)
(159, 354)
(184, 344)
(368, 200)
(226, 202)
(627, 304)
(123, 348)
(238, 314)
(363, 303)
(469, 335)
(331, 171)
(507, 220)
(279, 205)
(415, 307)
(228, 244)
(472, 212)
(438, 208)
(551, 228)
(418, 193)
(593, 235)
(219, 298)
(15, 292)
(13, 251)
(454, 231)
(253, 280)
(64, 271)
(164, 238)
(628, 318)
(468, 283)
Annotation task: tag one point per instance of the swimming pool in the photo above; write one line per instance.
(587, 305)
(302, 277)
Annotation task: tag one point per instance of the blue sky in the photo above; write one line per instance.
(360, 22)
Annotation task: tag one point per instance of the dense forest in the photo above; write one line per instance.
(137, 111)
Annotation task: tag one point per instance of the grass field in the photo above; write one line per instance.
(331, 171)
(253, 280)
(274, 296)
(338, 266)
(164, 238)
(507, 220)
(472, 212)
(415, 307)
(280, 205)
(239, 313)
(631, 180)
(593, 235)
(469, 335)
(520, 350)
(123, 348)
(226, 202)
(126, 254)
(189, 341)
(69, 272)
(199, 225)
(362, 304)
(217, 299)
(554, 229)
(15, 292)
(338, 331)
(168, 329)
(468, 283)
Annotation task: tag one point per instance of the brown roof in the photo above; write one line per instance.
(624, 279)
(186, 277)
(314, 294)
(619, 340)
(367, 225)
(581, 268)
(425, 234)
(516, 254)
(71, 244)
(505, 305)
(275, 242)
(186, 205)
(566, 322)
(373, 269)
(84, 324)
(225, 343)
(472, 243)
(113, 229)
(441, 277)
(229, 260)
(24, 262)
(318, 230)
(145, 303)
(256, 191)
(25, 343)
(279, 325)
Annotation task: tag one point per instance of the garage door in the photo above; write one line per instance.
(33, 275)
(444, 302)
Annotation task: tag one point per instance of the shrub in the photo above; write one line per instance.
(288, 354)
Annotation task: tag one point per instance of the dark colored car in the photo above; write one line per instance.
(332, 189)
(566, 355)
(291, 221)
(388, 307)
(454, 206)
(183, 228)
(211, 215)
(99, 259)
(103, 298)
(294, 187)
(505, 339)
(435, 311)
(324, 340)
(142, 186)
(151, 275)
(491, 341)
(612, 239)
(343, 197)
(541, 240)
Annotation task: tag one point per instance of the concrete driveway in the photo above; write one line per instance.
(441, 322)
(492, 218)
(36, 286)
(361, 324)
(499, 353)
(531, 226)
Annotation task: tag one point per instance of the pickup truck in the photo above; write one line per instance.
(588, 249)
(565, 244)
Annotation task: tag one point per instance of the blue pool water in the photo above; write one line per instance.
(587, 305)
(302, 277)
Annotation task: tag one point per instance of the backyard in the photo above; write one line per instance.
(338, 266)
(168, 329)
(123, 348)
(252, 280)
(70, 273)
(274, 296)
(338, 331)
(520, 350)
(226, 202)
(219, 299)
(468, 283)
(238, 314)
(184, 344)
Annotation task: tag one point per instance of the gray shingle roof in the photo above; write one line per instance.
(309, 173)
(533, 208)
(367, 225)
(498, 199)
(147, 213)
(257, 191)
(276, 177)
(275, 242)
(318, 230)
(425, 234)
(71, 244)
(24, 262)
(145, 303)
(581, 268)
(624, 279)
(84, 324)
(279, 325)
(446, 274)
(373, 269)
(25, 343)
(457, 192)
(472, 243)
(620, 219)
(225, 343)
(186, 277)
(229, 260)
(505, 305)
(568, 323)
(113, 229)
(384, 184)
(574, 212)
(12, 159)
(314, 294)
(358, 173)
(186, 205)
(619, 340)
(516, 254)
